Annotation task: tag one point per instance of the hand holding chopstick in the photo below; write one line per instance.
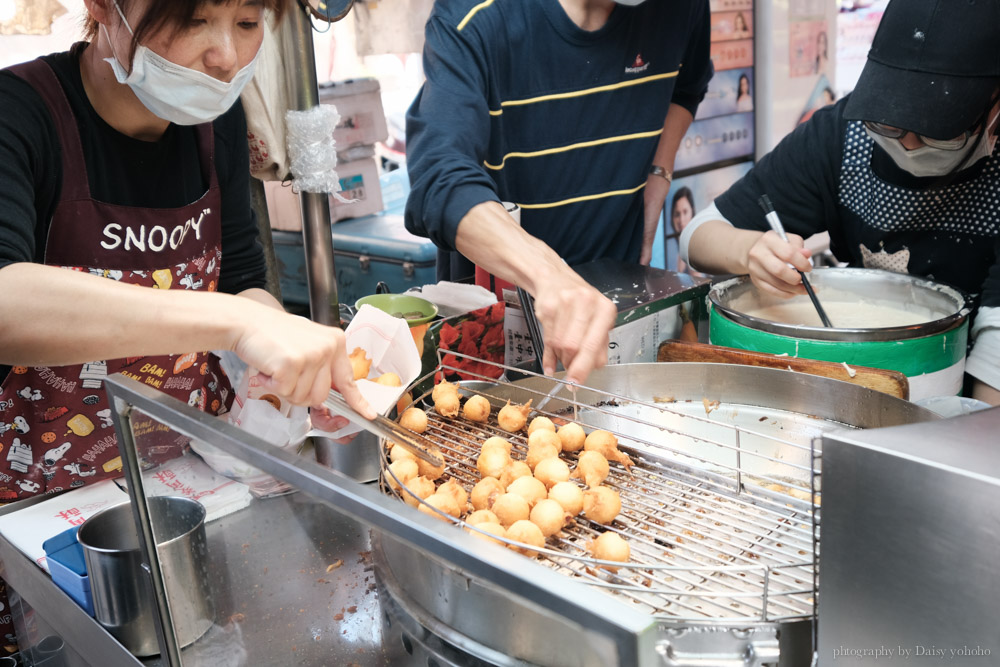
(779, 229)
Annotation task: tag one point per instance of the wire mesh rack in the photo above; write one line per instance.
(722, 519)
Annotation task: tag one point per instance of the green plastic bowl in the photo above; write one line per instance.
(413, 309)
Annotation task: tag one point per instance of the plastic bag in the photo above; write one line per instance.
(265, 100)
(268, 417)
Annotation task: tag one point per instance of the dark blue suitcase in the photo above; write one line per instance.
(366, 251)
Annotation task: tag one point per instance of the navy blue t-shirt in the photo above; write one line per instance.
(522, 105)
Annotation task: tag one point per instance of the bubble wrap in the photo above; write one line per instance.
(312, 150)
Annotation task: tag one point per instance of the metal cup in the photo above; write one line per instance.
(122, 591)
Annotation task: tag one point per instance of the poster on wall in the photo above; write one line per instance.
(822, 95)
(687, 196)
(732, 54)
(730, 5)
(728, 92)
(808, 49)
(716, 140)
(731, 25)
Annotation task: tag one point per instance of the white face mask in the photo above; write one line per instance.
(929, 161)
(174, 93)
(630, 3)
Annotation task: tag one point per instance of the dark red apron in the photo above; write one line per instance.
(56, 430)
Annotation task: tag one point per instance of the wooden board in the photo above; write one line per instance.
(893, 383)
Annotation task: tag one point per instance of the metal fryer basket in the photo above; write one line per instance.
(720, 516)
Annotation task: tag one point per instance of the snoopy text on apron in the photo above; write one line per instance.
(56, 430)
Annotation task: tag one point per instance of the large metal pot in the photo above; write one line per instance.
(494, 626)
(930, 353)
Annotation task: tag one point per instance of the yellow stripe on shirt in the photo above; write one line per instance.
(573, 147)
(575, 200)
(468, 17)
(584, 92)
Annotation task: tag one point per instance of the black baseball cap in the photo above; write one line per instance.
(933, 67)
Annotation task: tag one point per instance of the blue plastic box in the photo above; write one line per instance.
(365, 251)
(68, 568)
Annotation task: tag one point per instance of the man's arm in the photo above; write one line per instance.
(576, 318)
(675, 126)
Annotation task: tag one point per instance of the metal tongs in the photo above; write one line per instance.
(416, 444)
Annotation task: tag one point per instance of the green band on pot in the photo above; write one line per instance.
(912, 357)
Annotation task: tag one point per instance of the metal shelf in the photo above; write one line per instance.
(275, 601)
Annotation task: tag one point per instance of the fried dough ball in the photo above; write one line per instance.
(426, 469)
(497, 441)
(442, 501)
(442, 388)
(549, 516)
(397, 453)
(491, 528)
(418, 487)
(404, 470)
(481, 516)
(551, 471)
(569, 495)
(360, 363)
(492, 461)
(543, 436)
(513, 471)
(456, 491)
(572, 437)
(447, 404)
(527, 533)
(606, 443)
(477, 409)
(541, 422)
(512, 418)
(592, 468)
(601, 504)
(414, 419)
(389, 380)
(610, 546)
(528, 488)
(485, 492)
(510, 507)
(540, 452)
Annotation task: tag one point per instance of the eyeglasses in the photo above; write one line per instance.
(958, 143)
(891, 132)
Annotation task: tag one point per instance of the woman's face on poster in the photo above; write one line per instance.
(681, 214)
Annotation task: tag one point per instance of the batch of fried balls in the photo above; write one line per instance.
(523, 501)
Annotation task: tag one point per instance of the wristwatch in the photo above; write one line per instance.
(657, 170)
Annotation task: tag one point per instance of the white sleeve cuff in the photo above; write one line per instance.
(984, 360)
(710, 212)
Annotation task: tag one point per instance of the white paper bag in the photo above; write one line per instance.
(387, 341)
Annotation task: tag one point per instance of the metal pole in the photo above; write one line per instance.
(165, 629)
(317, 238)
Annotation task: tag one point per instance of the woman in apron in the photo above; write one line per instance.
(127, 241)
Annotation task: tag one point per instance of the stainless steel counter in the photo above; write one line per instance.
(276, 602)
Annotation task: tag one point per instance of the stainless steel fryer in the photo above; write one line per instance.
(719, 512)
(496, 607)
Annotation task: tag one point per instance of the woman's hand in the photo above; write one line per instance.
(302, 359)
(768, 263)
